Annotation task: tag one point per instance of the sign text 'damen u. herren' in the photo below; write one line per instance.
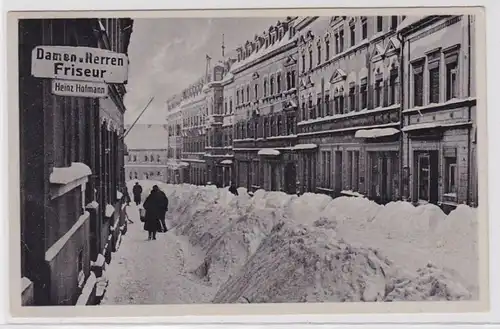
(79, 63)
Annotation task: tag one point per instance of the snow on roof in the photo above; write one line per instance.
(268, 152)
(148, 137)
(286, 40)
(305, 147)
(226, 162)
(65, 175)
(409, 20)
(374, 133)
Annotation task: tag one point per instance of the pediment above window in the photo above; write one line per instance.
(338, 76)
(392, 46)
(378, 53)
(255, 75)
(290, 61)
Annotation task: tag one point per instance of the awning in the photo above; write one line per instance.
(305, 147)
(269, 152)
(421, 126)
(226, 162)
(376, 132)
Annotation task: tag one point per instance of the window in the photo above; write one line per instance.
(393, 86)
(353, 34)
(237, 97)
(424, 177)
(293, 79)
(157, 158)
(378, 93)
(288, 82)
(353, 170)
(303, 63)
(394, 22)
(256, 91)
(379, 23)
(451, 174)
(339, 104)
(135, 158)
(434, 84)
(278, 83)
(271, 83)
(310, 59)
(418, 84)
(135, 175)
(364, 93)
(130, 175)
(364, 28)
(326, 168)
(303, 107)
(279, 127)
(352, 99)
(451, 61)
(319, 107)
(158, 173)
(230, 106)
(311, 108)
(248, 93)
(327, 49)
(146, 158)
(266, 123)
(337, 43)
(327, 104)
(225, 107)
(265, 87)
(341, 41)
(319, 54)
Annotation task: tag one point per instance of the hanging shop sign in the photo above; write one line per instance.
(79, 64)
(79, 88)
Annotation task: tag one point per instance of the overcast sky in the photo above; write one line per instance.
(168, 54)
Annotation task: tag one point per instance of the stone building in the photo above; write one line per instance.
(71, 160)
(264, 91)
(439, 140)
(219, 123)
(193, 108)
(349, 115)
(147, 146)
(175, 167)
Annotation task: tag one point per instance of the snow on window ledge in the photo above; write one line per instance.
(59, 244)
(352, 193)
(65, 179)
(305, 147)
(93, 205)
(109, 211)
(269, 152)
(87, 290)
(119, 195)
(25, 283)
(228, 162)
(376, 132)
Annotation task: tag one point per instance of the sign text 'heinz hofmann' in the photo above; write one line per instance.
(79, 64)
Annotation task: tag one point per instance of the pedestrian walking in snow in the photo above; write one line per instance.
(233, 189)
(137, 191)
(155, 205)
(164, 228)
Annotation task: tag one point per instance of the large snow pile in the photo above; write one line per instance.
(275, 247)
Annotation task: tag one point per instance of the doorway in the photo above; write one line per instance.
(426, 166)
(291, 178)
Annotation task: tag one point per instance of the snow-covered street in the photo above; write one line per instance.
(274, 247)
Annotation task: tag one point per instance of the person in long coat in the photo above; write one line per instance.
(165, 209)
(137, 191)
(155, 206)
(233, 189)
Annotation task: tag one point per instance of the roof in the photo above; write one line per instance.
(148, 137)
(408, 21)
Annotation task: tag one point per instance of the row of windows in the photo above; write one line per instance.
(278, 124)
(193, 144)
(197, 176)
(323, 49)
(275, 34)
(194, 120)
(146, 175)
(441, 69)
(358, 97)
(271, 86)
(147, 158)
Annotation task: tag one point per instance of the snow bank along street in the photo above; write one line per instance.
(275, 247)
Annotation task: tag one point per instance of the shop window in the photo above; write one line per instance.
(451, 174)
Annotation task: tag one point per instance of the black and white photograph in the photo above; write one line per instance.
(273, 159)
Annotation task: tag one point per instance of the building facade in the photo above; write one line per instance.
(175, 167)
(349, 106)
(439, 141)
(71, 167)
(193, 108)
(147, 152)
(219, 126)
(264, 88)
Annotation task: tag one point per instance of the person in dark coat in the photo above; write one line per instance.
(137, 191)
(165, 209)
(155, 206)
(233, 189)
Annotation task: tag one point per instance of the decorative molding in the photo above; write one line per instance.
(338, 76)
(449, 22)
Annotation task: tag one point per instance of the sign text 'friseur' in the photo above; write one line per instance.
(79, 63)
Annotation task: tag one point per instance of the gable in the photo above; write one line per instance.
(290, 61)
(377, 53)
(392, 45)
(337, 76)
